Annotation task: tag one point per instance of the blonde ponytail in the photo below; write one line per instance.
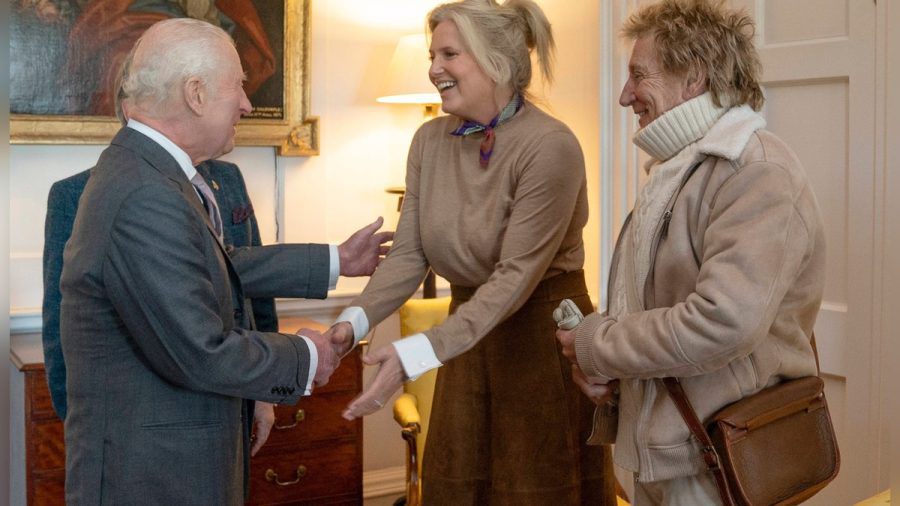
(538, 34)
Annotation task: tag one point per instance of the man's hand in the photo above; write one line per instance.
(263, 420)
(341, 336)
(387, 380)
(598, 391)
(328, 356)
(361, 253)
(567, 340)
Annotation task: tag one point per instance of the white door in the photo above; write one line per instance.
(819, 76)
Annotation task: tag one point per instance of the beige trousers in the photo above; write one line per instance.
(696, 490)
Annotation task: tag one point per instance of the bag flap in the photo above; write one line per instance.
(773, 403)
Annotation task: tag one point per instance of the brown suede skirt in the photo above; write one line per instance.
(508, 425)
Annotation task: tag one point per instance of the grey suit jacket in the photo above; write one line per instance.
(151, 317)
(240, 229)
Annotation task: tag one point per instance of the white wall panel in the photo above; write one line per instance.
(33, 169)
(812, 119)
(803, 20)
(26, 283)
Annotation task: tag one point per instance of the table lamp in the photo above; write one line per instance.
(406, 82)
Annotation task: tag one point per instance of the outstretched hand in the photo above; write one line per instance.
(387, 380)
(361, 253)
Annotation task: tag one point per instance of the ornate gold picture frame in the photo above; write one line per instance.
(285, 124)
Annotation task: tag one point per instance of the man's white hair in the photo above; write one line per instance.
(167, 55)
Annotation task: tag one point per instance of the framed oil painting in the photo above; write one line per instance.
(65, 54)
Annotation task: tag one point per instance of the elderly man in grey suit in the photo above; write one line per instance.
(240, 229)
(153, 306)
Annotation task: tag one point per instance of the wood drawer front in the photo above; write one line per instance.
(336, 500)
(49, 490)
(321, 419)
(347, 377)
(332, 469)
(48, 446)
(37, 395)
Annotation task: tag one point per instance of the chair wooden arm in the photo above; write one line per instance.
(406, 413)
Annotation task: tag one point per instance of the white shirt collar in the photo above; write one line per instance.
(184, 161)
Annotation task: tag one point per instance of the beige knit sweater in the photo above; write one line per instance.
(502, 229)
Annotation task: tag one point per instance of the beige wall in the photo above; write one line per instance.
(4, 260)
(890, 314)
(575, 99)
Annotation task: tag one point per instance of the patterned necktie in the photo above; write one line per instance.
(487, 144)
(209, 200)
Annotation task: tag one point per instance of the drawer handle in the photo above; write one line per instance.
(272, 477)
(299, 416)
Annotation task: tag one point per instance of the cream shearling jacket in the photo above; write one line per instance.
(736, 278)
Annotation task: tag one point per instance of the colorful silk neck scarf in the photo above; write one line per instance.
(487, 144)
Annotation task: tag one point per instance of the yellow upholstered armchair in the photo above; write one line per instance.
(413, 407)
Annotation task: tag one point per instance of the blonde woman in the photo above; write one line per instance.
(496, 202)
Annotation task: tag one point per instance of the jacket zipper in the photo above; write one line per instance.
(649, 386)
(662, 232)
(614, 262)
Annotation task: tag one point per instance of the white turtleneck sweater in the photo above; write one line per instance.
(669, 140)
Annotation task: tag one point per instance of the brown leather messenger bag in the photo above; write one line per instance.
(776, 447)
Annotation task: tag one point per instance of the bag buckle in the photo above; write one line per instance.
(711, 458)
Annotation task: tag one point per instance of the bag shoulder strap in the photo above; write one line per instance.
(812, 342)
(710, 455)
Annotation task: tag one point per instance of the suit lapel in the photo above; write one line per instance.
(162, 161)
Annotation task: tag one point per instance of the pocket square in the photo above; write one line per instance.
(241, 213)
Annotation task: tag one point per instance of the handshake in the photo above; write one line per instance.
(331, 346)
(337, 342)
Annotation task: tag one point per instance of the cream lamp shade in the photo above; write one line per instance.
(406, 80)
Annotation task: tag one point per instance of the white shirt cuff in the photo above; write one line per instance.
(334, 266)
(416, 355)
(357, 319)
(313, 364)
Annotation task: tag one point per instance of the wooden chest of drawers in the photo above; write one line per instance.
(313, 456)
(45, 453)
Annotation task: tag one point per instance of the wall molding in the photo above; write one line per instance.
(29, 320)
(383, 482)
(606, 146)
(620, 174)
(25, 321)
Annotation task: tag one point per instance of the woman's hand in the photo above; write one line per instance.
(387, 380)
(341, 336)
